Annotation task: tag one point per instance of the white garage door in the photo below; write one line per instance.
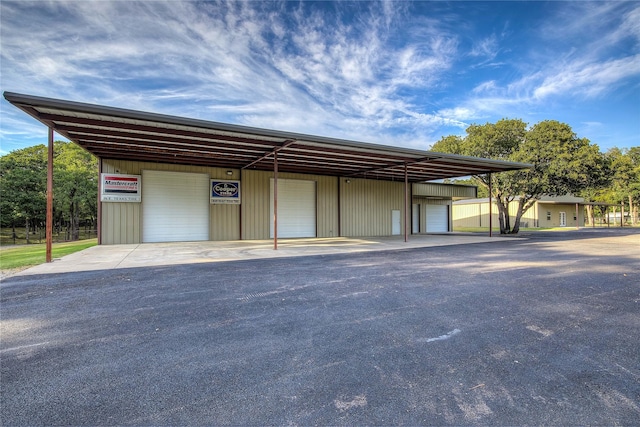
(296, 208)
(437, 218)
(175, 206)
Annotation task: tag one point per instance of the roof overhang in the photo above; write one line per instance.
(115, 133)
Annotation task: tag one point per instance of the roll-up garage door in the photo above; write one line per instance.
(296, 208)
(437, 218)
(175, 206)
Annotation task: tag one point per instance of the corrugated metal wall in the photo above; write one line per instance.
(446, 191)
(424, 201)
(121, 222)
(255, 203)
(477, 215)
(366, 205)
(468, 216)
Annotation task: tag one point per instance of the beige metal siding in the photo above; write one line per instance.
(327, 205)
(224, 222)
(536, 216)
(445, 191)
(422, 202)
(366, 205)
(468, 216)
(256, 219)
(121, 222)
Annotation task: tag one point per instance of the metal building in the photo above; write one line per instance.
(167, 178)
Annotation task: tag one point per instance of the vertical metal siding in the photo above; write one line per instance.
(536, 216)
(444, 191)
(468, 215)
(256, 220)
(366, 205)
(121, 222)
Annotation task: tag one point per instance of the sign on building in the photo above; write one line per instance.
(225, 192)
(120, 188)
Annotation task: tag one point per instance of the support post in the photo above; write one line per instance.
(490, 208)
(339, 206)
(577, 217)
(49, 218)
(275, 201)
(622, 215)
(406, 203)
(99, 218)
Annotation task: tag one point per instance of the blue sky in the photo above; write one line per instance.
(396, 73)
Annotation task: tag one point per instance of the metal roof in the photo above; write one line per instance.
(115, 133)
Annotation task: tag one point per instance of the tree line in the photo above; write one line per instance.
(562, 163)
(23, 185)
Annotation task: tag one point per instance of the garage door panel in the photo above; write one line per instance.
(437, 218)
(296, 208)
(175, 206)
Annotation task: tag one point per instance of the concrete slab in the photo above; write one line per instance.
(106, 257)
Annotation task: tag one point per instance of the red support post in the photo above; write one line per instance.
(99, 219)
(490, 209)
(406, 203)
(275, 201)
(49, 218)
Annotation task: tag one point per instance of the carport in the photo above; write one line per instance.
(127, 135)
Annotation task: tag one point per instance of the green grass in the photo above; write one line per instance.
(29, 255)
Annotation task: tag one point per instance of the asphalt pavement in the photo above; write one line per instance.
(537, 330)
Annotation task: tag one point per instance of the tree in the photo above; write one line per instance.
(23, 183)
(23, 175)
(561, 163)
(625, 179)
(75, 186)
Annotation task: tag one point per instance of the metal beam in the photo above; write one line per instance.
(285, 144)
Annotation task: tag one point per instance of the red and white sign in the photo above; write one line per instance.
(120, 188)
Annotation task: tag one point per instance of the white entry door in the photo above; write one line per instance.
(563, 219)
(396, 223)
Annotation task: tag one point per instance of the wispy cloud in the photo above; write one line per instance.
(391, 72)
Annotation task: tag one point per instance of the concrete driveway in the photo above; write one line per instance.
(541, 330)
(156, 254)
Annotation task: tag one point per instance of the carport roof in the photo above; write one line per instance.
(115, 133)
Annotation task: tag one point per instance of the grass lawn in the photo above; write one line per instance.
(29, 255)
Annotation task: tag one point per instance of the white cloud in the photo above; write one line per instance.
(588, 80)
(362, 70)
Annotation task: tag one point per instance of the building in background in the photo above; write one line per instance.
(564, 211)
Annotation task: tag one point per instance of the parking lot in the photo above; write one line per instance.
(538, 329)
